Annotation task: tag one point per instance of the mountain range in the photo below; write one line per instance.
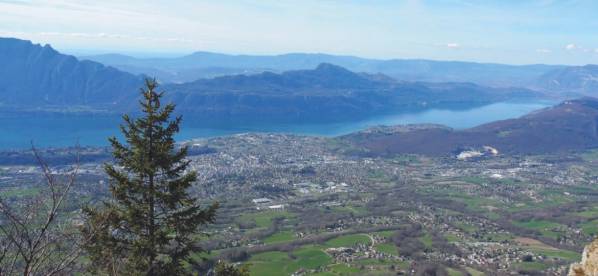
(571, 125)
(329, 91)
(207, 65)
(557, 80)
(39, 78)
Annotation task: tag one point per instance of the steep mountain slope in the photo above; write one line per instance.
(36, 77)
(205, 65)
(571, 125)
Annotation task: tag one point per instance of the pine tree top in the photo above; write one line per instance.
(152, 220)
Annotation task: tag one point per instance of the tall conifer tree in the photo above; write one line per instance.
(150, 225)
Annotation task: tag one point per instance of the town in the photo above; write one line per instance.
(307, 205)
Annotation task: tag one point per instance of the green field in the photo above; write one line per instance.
(356, 210)
(272, 263)
(264, 219)
(530, 266)
(566, 255)
(311, 257)
(342, 269)
(453, 272)
(590, 227)
(284, 236)
(542, 226)
(276, 263)
(589, 213)
(387, 248)
(349, 240)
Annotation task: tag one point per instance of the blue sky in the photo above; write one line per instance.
(503, 31)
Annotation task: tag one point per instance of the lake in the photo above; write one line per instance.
(90, 130)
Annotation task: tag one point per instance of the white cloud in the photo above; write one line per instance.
(453, 45)
(580, 49)
(571, 47)
(543, 51)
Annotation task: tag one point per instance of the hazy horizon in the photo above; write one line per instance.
(161, 54)
(507, 32)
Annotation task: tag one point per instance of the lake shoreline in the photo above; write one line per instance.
(94, 129)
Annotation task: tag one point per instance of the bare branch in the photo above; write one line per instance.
(31, 237)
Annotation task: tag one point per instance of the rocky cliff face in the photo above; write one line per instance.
(589, 262)
(36, 76)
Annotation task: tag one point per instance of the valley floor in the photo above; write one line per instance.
(307, 206)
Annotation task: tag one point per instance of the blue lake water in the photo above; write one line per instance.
(90, 130)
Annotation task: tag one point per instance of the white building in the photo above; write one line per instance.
(262, 200)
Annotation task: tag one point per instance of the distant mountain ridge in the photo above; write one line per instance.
(207, 65)
(38, 78)
(571, 125)
(327, 91)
